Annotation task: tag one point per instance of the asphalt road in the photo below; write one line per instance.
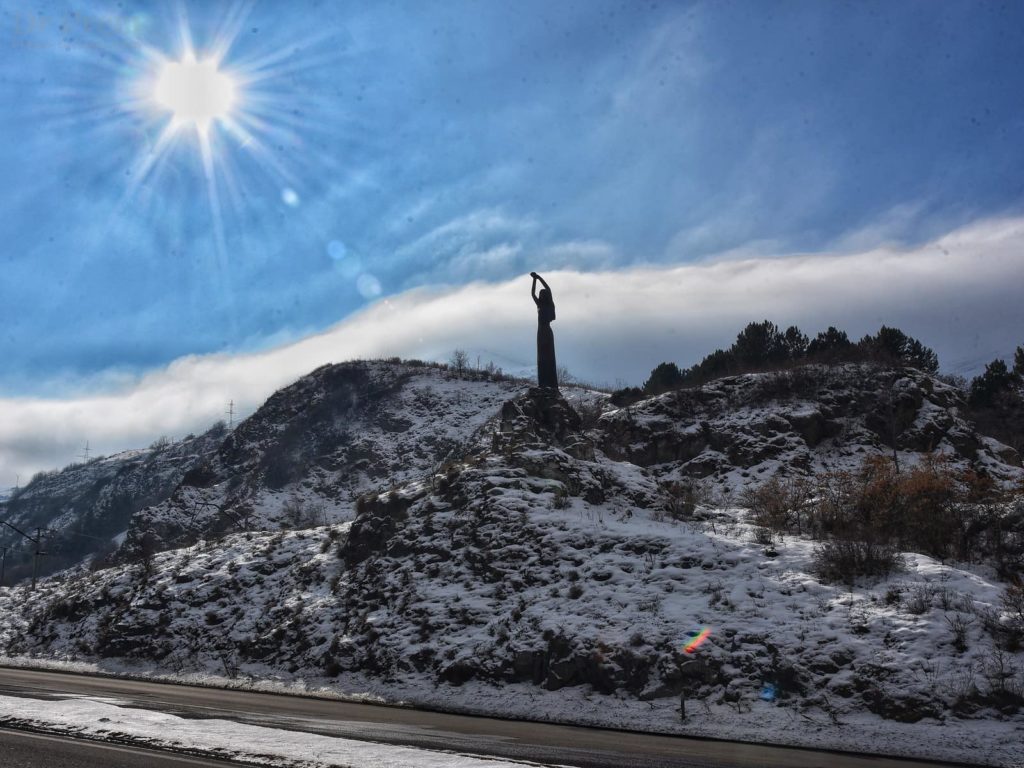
(560, 744)
(33, 750)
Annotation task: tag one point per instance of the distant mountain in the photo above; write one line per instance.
(81, 508)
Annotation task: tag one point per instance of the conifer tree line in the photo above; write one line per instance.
(999, 381)
(764, 346)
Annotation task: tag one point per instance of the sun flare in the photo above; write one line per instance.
(195, 91)
(212, 113)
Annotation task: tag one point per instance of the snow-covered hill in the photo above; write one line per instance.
(83, 508)
(314, 447)
(491, 548)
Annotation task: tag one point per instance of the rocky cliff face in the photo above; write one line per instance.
(743, 429)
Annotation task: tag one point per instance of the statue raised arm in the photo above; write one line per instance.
(547, 375)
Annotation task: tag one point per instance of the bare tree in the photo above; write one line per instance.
(459, 361)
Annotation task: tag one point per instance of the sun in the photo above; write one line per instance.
(218, 103)
(195, 92)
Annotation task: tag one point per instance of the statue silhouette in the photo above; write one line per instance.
(547, 375)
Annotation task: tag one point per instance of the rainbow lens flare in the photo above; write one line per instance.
(697, 639)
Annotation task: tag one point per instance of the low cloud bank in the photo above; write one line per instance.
(958, 294)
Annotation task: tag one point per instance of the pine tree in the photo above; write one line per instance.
(664, 377)
(759, 345)
(832, 344)
(986, 388)
(795, 343)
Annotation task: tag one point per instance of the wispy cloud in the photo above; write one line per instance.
(480, 245)
(577, 255)
(958, 293)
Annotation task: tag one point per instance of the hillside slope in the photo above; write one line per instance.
(315, 446)
(546, 568)
(82, 508)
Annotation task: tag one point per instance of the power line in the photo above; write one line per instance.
(37, 540)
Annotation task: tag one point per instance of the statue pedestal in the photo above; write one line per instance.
(542, 416)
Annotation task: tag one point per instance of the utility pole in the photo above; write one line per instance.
(231, 414)
(38, 552)
(37, 540)
(3, 564)
(85, 452)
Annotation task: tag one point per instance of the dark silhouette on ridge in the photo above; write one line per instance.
(547, 375)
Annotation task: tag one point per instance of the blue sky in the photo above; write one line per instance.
(415, 144)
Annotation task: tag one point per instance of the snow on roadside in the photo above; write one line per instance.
(266, 746)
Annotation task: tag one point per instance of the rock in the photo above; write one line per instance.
(562, 673)
(822, 665)
(528, 666)
(201, 476)
(909, 708)
(542, 415)
(375, 523)
(458, 672)
(813, 427)
(659, 691)
(693, 670)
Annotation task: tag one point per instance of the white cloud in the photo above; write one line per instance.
(959, 294)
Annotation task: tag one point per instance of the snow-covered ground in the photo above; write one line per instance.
(766, 614)
(542, 572)
(91, 718)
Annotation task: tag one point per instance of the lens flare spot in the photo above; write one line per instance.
(697, 639)
(349, 266)
(336, 250)
(290, 197)
(368, 286)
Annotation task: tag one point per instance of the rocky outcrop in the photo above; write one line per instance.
(742, 428)
(542, 416)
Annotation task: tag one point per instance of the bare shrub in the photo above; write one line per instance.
(684, 497)
(1013, 628)
(919, 600)
(929, 508)
(958, 625)
(590, 411)
(299, 514)
(1005, 686)
(845, 560)
(779, 504)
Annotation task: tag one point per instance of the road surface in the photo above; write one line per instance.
(33, 750)
(513, 739)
